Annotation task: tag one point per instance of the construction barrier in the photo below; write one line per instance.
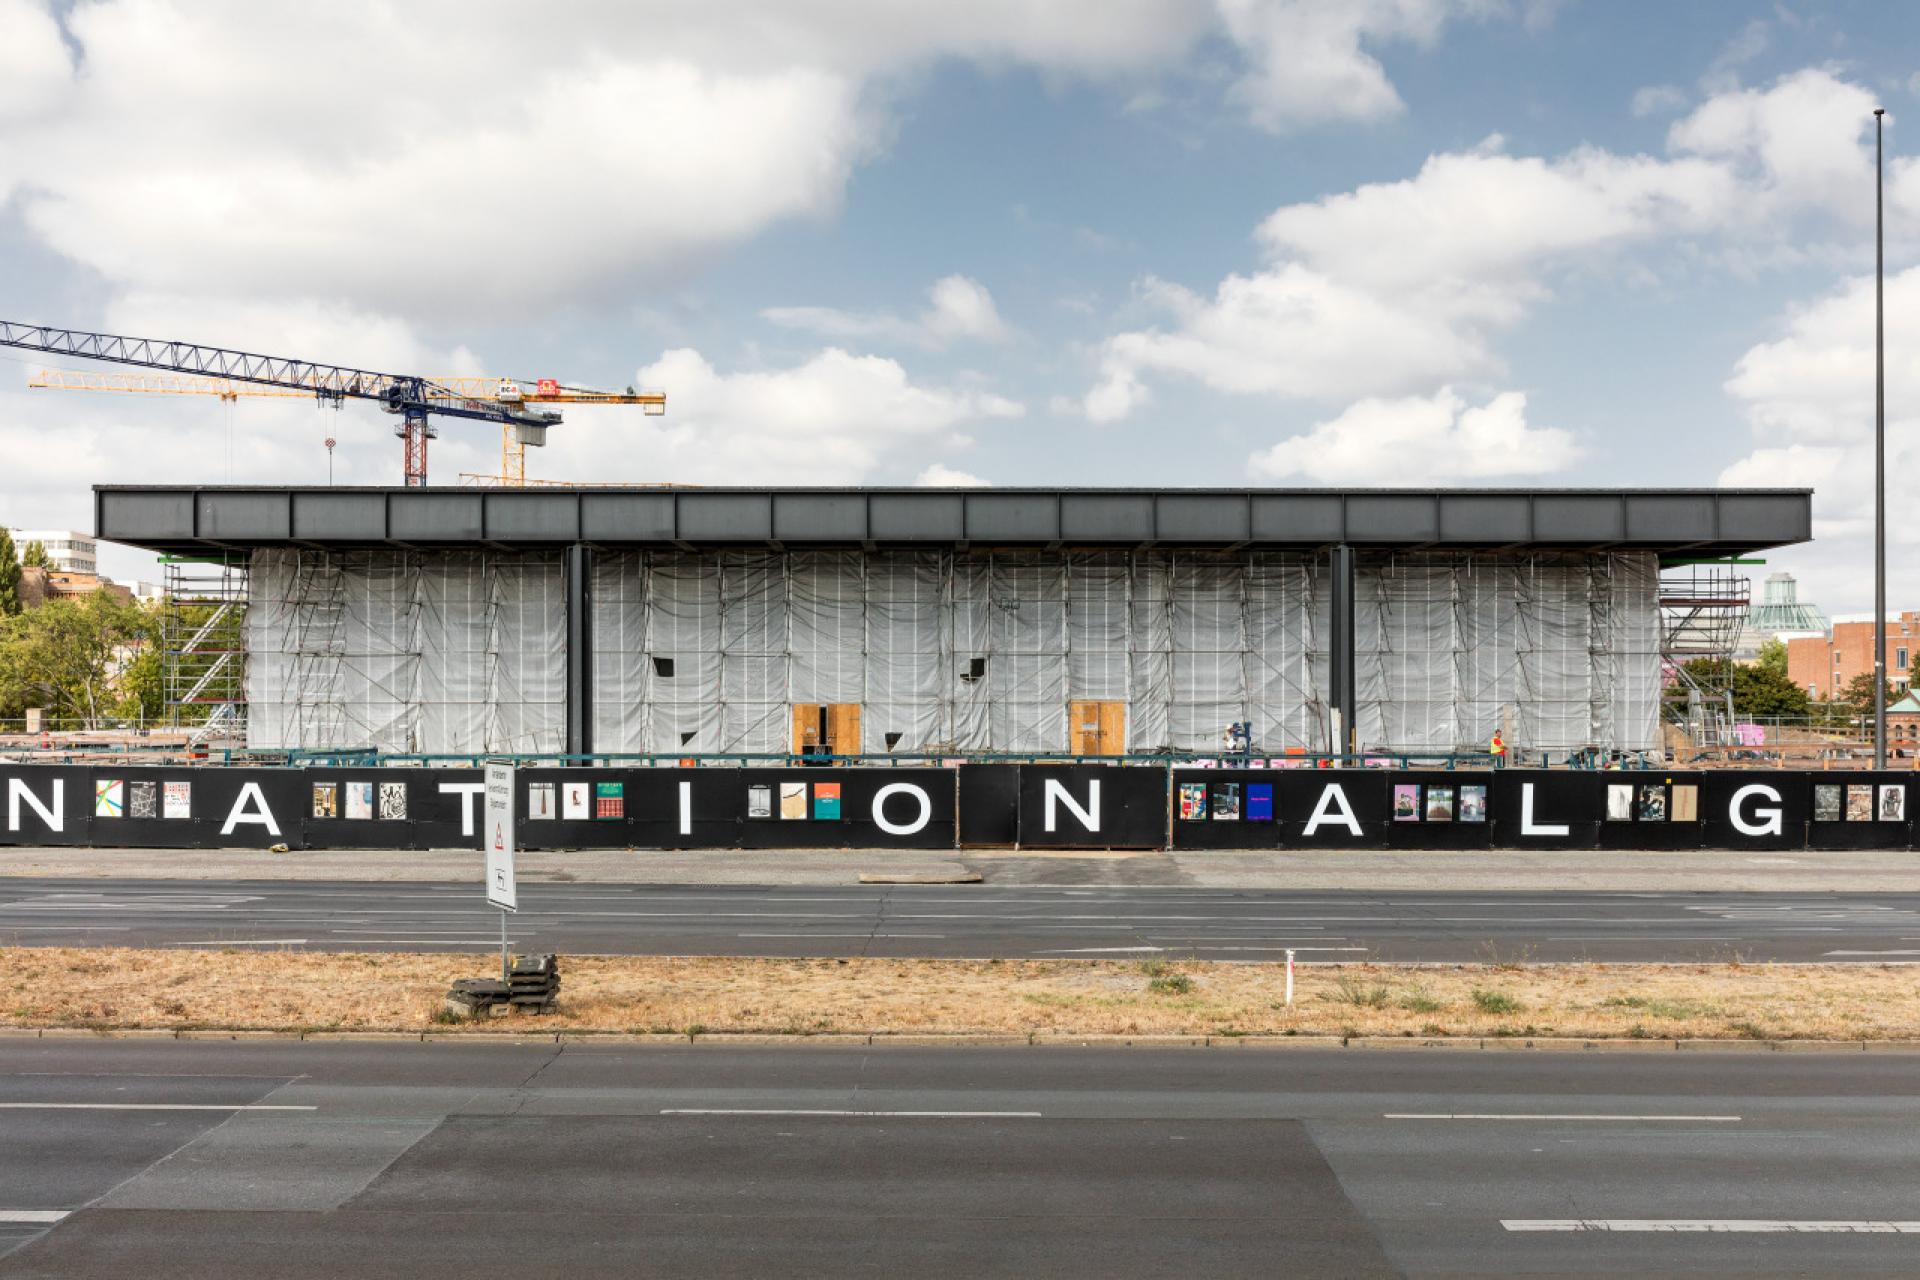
(1008, 805)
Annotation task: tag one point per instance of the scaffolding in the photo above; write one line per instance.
(1702, 610)
(203, 639)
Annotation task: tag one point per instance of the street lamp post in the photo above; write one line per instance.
(1879, 448)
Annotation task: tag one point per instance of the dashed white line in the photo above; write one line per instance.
(42, 1216)
(148, 1106)
(918, 1115)
(1735, 1225)
(1464, 1115)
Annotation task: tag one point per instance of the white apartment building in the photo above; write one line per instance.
(69, 550)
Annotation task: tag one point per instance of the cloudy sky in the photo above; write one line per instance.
(1223, 242)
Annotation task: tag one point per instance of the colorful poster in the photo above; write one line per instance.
(143, 799)
(393, 801)
(359, 801)
(1893, 803)
(573, 801)
(1439, 804)
(1686, 802)
(760, 801)
(1473, 803)
(793, 800)
(1226, 801)
(1193, 801)
(609, 800)
(1859, 803)
(1406, 802)
(176, 800)
(826, 801)
(1619, 802)
(1826, 802)
(1653, 802)
(109, 798)
(326, 799)
(540, 804)
(1259, 802)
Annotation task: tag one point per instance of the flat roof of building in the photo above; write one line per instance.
(202, 519)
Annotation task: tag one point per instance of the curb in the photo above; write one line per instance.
(919, 1040)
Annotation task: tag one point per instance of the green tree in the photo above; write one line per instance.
(9, 576)
(1760, 692)
(34, 556)
(1857, 697)
(74, 657)
(1773, 656)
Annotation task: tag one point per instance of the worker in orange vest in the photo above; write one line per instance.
(1498, 749)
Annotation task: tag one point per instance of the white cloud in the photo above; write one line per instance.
(1307, 60)
(1290, 332)
(1800, 142)
(35, 69)
(837, 418)
(1437, 439)
(1658, 99)
(1401, 286)
(427, 158)
(941, 476)
(1808, 395)
(958, 309)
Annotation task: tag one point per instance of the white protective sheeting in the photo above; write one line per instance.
(698, 652)
(1191, 643)
(458, 652)
(1556, 652)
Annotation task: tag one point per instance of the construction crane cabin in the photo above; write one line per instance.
(193, 369)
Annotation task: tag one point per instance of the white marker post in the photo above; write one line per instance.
(497, 838)
(1289, 977)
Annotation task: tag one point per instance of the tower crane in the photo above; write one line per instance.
(410, 397)
(514, 437)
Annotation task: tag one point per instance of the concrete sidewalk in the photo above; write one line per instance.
(1481, 871)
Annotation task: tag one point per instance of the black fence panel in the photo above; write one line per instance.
(1649, 809)
(1755, 810)
(989, 796)
(1546, 809)
(1860, 810)
(1093, 806)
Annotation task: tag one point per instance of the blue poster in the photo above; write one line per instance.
(1259, 802)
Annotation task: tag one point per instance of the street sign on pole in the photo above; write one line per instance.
(496, 837)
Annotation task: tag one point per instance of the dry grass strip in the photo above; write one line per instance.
(300, 990)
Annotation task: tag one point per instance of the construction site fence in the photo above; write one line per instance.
(1004, 805)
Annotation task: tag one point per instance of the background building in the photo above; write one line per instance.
(1824, 665)
(1780, 615)
(764, 622)
(67, 550)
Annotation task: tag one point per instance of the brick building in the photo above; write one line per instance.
(37, 586)
(1825, 665)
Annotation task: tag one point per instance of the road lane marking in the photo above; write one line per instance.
(1736, 1225)
(148, 1106)
(1463, 1115)
(775, 1111)
(244, 942)
(33, 1215)
(1871, 953)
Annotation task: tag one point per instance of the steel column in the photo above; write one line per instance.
(1341, 662)
(579, 564)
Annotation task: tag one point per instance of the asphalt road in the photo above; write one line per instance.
(970, 921)
(203, 1159)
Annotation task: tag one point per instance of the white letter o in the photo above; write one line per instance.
(901, 828)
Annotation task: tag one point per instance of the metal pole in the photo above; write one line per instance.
(506, 966)
(1879, 449)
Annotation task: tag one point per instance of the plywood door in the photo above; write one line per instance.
(843, 728)
(806, 728)
(1097, 728)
